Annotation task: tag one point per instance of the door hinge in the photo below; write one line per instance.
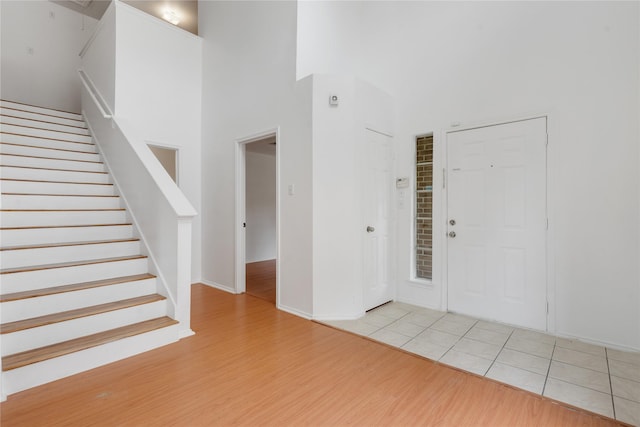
(444, 178)
(547, 223)
(547, 307)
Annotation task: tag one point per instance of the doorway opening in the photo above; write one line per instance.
(257, 217)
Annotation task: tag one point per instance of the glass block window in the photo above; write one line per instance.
(424, 207)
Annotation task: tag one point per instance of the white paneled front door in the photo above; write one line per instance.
(497, 222)
(377, 227)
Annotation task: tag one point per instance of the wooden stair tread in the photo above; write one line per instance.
(69, 264)
(45, 129)
(38, 106)
(47, 138)
(50, 158)
(46, 148)
(51, 169)
(63, 316)
(74, 287)
(60, 245)
(54, 182)
(33, 227)
(41, 114)
(42, 121)
(57, 195)
(60, 349)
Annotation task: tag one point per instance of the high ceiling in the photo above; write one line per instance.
(186, 10)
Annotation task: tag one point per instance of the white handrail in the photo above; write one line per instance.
(88, 84)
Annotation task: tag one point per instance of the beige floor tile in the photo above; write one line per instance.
(439, 338)
(626, 389)
(490, 337)
(517, 377)
(495, 327)
(425, 349)
(580, 346)
(624, 370)
(580, 376)
(536, 348)
(460, 319)
(465, 361)
(421, 319)
(528, 335)
(377, 320)
(529, 362)
(389, 337)
(477, 348)
(627, 411)
(391, 310)
(624, 356)
(356, 326)
(405, 328)
(451, 327)
(581, 397)
(583, 360)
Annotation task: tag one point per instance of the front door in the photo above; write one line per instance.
(377, 227)
(497, 222)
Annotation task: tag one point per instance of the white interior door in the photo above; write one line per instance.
(497, 222)
(378, 219)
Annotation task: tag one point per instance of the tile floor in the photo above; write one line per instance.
(599, 379)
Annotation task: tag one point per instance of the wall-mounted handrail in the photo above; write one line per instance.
(95, 95)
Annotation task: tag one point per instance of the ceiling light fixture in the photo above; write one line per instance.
(171, 16)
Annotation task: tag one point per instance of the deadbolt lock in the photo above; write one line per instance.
(452, 221)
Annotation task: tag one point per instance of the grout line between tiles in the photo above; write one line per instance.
(613, 402)
(497, 355)
(546, 378)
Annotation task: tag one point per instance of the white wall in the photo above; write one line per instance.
(260, 207)
(479, 62)
(161, 96)
(249, 87)
(40, 45)
(338, 215)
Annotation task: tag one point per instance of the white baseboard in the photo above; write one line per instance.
(295, 312)
(219, 286)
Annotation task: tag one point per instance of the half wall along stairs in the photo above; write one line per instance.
(75, 288)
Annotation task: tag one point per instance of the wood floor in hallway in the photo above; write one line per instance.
(250, 364)
(261, 280)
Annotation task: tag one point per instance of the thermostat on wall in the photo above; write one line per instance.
(402, 182)
(333, 99)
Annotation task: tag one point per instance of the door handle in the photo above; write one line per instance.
(370, 229)
(452, 234)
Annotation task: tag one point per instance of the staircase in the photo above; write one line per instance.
(75, 289)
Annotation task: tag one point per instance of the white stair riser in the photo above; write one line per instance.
(48, 153)
(9, 172)
(41, 279)
(48, 143)
(43, 133)
(29, 339)
(35, 187)
(36, 374)
(17, 112)
(9, 160)
(41, 306)
(38, 236)
(14, 258)
(41, 110)
(54, 218)
(59, 202)
(42, 124)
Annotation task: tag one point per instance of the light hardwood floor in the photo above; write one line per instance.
(261, 280)
(250, 364)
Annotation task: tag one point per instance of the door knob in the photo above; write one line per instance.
(452, 234)
(370, 229)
